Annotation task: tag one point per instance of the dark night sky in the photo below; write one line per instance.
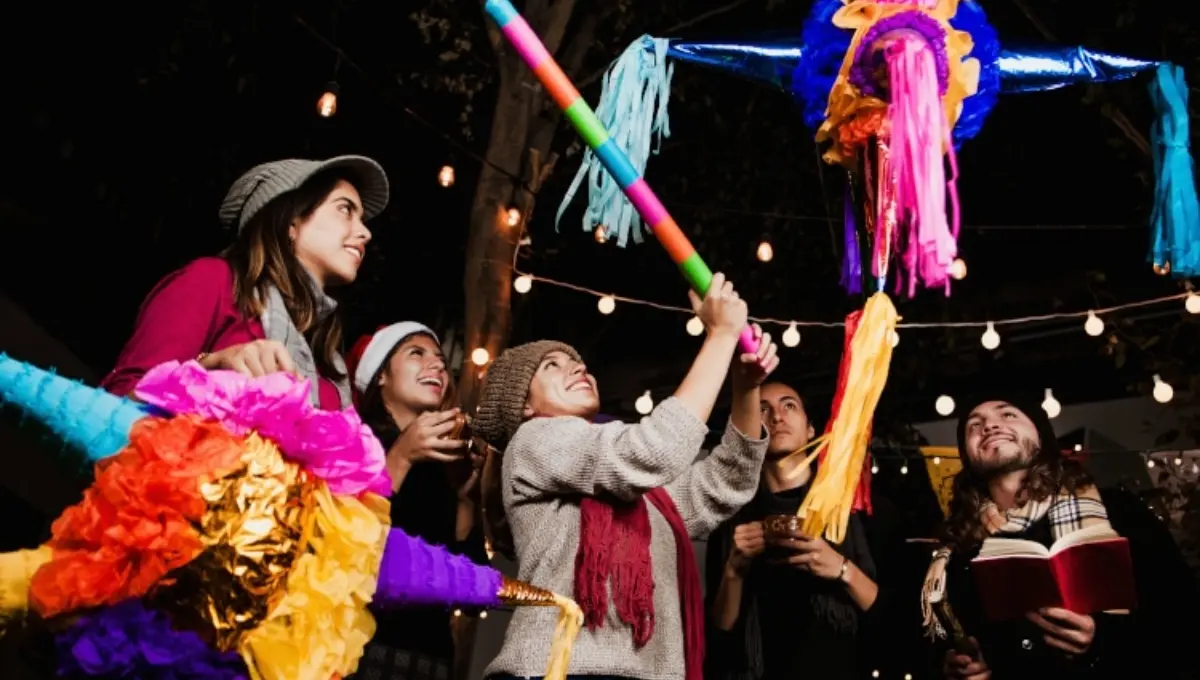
(127, 123)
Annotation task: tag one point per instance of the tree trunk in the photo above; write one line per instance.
(519, 141)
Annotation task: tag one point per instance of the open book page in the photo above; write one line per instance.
(1097, 532)
(1018, 547)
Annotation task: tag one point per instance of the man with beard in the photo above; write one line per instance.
(1016, 483)
(793, 607)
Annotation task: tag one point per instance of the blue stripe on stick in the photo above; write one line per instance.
(617, 163)
(501, 11)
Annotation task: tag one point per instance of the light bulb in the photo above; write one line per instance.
(446, 176)
(644, 403)
(1078, 448)
(893, 338)
(874, 674)
(791, 337)
(937, 460)
(600, 234)
(1093, 326)
(458, 612)
(480, 356)
(606, 304)
(695, 326)
(958, 269)
(483, 614)
(1178, 461)
(904, 469)
(990, 338)
(1192, 303)
(765, 252)
(523, 283)
(1050, 405)
(874, 469)
(1163, 392)
(1150, 463)
(327, 104)
(944, 405)
(513, 217)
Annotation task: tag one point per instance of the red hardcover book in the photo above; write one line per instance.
(1087, 571)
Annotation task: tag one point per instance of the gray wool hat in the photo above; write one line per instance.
(266, 182)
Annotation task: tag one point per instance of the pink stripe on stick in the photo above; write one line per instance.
(646, 203)
(527, 43)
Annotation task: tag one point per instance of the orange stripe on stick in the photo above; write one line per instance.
(556, 83)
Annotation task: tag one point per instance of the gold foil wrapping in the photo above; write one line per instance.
(255, 527)
(570, 621)
(519, 593)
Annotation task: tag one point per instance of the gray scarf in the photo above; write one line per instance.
(278, 326)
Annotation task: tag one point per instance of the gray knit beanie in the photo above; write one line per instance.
(506, 389)
(264, 183)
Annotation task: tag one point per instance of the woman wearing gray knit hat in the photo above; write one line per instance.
(262, 306)
(609, 511)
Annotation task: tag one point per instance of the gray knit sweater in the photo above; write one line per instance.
(551, 462)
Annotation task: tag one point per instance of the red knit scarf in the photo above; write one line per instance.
(614, 546)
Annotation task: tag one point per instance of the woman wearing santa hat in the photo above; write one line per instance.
(404, 393)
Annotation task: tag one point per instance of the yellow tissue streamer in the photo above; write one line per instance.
(253, 533)
(826, 509)
(570, 621)
(16, 571)
(321, 625)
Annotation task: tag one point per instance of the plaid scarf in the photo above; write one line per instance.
(278, 325)
(1066, 512)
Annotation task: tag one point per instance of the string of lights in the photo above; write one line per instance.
(606, 303)
(1176, 460)
(446, 174)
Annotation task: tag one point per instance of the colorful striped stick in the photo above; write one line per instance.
(679, 248)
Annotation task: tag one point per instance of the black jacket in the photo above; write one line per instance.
(1155, 642)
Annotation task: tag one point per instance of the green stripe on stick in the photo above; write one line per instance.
(586, 123)
(698, 275)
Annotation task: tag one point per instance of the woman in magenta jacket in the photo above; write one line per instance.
(262, 305)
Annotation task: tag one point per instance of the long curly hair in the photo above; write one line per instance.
(1050, 472)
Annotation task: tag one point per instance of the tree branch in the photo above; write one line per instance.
(549, 20)
(585, 38)
(705, 16)
(1111, 111)
(686, 23)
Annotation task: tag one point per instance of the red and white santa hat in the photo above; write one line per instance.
(368, 354)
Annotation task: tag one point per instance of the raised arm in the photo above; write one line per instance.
(716, 487)
(568, 455)
(175, 322)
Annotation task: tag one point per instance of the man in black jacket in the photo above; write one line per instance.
(798, 607)
(1016, 483)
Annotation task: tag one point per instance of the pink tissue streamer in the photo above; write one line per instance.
(920, 135)
(335, 446)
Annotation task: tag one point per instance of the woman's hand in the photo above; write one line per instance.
(750, 370)
(812, 555)
(255, 359)
(748, 543)
(966, 664)
(721, 310)
(425, 440)
(1064, 629)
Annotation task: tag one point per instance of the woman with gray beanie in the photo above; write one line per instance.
(608, 511)
(262, 306)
